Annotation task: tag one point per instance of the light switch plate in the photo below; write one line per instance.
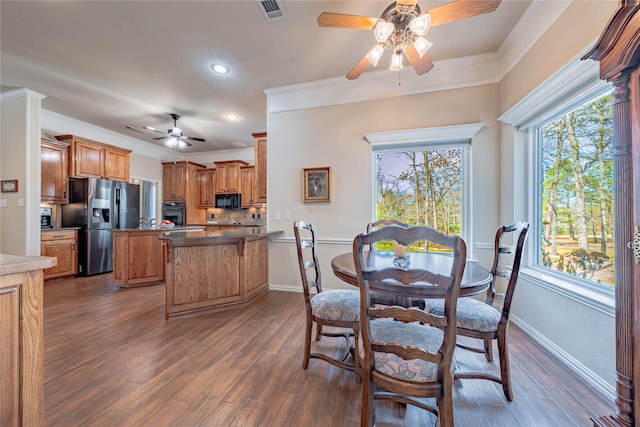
(21, 202)
(276, 216)
(287, 216)
(3, 203)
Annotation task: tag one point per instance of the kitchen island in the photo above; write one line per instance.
(210, 271)
(139, 255)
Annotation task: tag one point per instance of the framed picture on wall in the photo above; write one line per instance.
(316, 184)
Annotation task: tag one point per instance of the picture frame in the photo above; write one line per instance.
(316, 184)
(9, 186)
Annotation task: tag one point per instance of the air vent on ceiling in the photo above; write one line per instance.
(272, 9)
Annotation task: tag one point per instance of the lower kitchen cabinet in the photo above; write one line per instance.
(21, 340)
(63, 245)
(138, 258)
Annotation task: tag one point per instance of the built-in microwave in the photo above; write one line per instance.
(228, 201)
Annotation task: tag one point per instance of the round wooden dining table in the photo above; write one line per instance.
(475, 279)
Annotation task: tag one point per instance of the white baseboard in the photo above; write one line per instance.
(595, 382)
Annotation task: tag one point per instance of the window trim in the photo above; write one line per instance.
(575, 83)
(459, 136)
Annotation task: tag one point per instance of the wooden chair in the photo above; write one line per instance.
(408, 352)
(336, 308)
(372, 226)
(478, 319)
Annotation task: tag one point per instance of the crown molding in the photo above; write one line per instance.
(57, 123)
(446, 75)
(20, 93)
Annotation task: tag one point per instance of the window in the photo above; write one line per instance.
(421, 187)
(575, 191)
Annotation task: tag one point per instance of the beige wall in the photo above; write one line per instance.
(583, 335)
(334, 136)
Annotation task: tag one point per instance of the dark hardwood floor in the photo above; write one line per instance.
(110, 359)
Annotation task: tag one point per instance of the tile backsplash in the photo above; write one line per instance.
(254, 216)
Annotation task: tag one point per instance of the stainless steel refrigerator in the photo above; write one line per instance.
(98, 206)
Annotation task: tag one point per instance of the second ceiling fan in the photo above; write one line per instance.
(174, 135)
(400, 28)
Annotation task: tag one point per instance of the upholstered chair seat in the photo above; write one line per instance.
(342, 305)
(410, 334)
(472, 314)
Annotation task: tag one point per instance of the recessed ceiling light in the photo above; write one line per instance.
(231, 116)
(220, 68)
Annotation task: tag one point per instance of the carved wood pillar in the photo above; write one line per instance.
(618, 51)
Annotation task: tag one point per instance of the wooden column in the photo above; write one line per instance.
(618, 51)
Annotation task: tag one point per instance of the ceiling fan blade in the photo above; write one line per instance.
(341, 20)
(461, 9)
(359, 68)
(193, 138)
(162, 137)
(421, 65)
(184, 143)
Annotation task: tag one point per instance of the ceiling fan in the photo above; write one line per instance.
(400, 28)
(174, 135)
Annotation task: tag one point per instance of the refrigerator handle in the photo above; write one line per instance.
(116, 210)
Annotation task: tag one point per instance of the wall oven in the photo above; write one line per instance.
(175, 212)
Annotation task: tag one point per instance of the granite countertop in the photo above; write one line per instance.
(163, 229)
(229, 224)
(10, 264)
(239, 233)
(43, 230)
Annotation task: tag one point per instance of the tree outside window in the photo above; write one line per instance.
(576, 192)
(422, 187)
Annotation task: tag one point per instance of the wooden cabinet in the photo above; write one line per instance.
(92, 159)
(138, 258)
(260, 139)
(61, 244)
(228, 177)
(180, 184)
(21, 340)
(174, 182)
(207, 188)
(54, 171)
(213, 273)
(248, 186)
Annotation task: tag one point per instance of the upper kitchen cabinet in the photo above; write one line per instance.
(54, 172)
(92, 159)
(248, 186)
(180, 181)
(228, 177)
(260, 139)
(207, 187)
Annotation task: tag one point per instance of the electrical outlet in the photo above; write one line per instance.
(287, 216)
(276, 216)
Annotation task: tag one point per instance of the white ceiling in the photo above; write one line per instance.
(131, 63)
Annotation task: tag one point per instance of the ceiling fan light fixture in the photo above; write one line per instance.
(396, 62)
(422, 45)
(374, 54)
(383, 30)
(176, 131)
(420, 24)
(171, 142)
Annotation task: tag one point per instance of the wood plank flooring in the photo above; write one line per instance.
(112, 360)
